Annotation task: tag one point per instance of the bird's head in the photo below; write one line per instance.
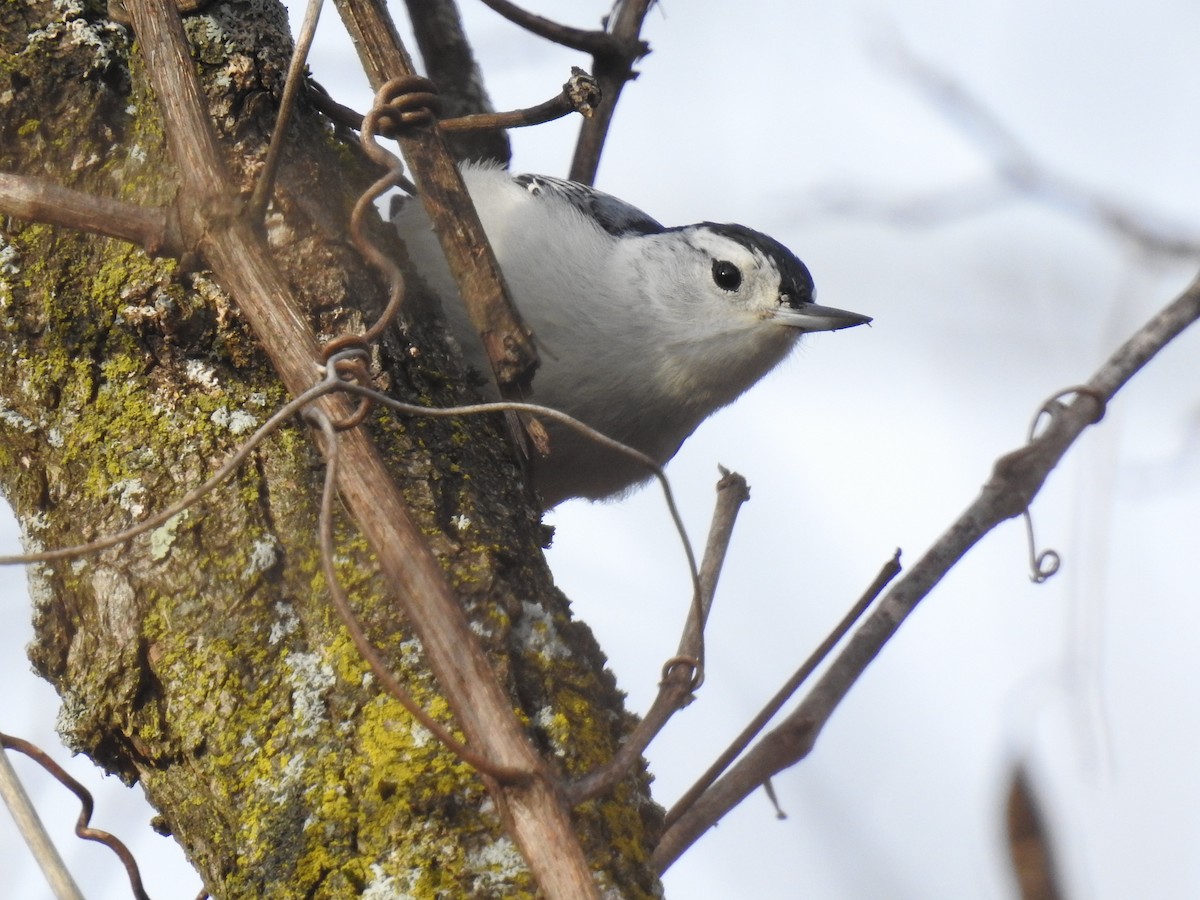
(733, 273)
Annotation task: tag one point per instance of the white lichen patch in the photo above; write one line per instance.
(554, 726)
(287, 624)
(41, 591)
(310, 678)
(495, 865)
(421, 736)
(30, 524)
(264, 554)
(237, 421)
(129, 493)
(73, 29)
(10, 418)
(461, 523)
(9, 266)
(385, 887)
(10, 259)
(201, 374)
(163, 537)
(536, 632)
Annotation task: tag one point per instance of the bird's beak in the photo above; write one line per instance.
(810, 317)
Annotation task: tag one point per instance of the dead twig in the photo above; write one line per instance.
(683, 673)
(261, 197)
(612, 70)
(1016, 169)
(889, 571)
(1016, 479)
(153, 228)
(450, 64)
(597, 43)
(580, 95)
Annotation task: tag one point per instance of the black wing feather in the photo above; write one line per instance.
(615, 216)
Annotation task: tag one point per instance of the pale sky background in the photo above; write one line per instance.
(873, 439)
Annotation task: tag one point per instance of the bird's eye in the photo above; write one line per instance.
(726, 275)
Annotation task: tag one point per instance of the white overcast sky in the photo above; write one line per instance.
(873, 439)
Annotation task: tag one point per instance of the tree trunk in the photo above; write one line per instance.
(203, 659)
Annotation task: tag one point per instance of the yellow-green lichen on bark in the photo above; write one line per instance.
(203, 658)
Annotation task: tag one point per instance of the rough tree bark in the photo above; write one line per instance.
(203, 659)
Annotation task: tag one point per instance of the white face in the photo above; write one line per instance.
(741, 277)
(727, 278)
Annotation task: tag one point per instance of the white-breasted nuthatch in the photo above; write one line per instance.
(643, 330)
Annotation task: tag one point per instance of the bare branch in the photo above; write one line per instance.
(612, 69)
(83, 827)
(1016, 479)
(154, 229)
(785, 693)
(732, 492)
(580, 94)
(259, 200)
(597, 43)
(682, 674)
(450, 64)
(238, 254)
(34, 832)
(470, 258)
(1015, 165)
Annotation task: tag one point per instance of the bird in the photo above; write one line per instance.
(643, 330)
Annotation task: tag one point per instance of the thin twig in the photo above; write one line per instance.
(153, 228)
(889, 571)
(732, 492)
(30, 825)
(1021, 170)
(597, 43)
(683, 673)
(450, 64)
(580, 94)
(82, 824)
(1016, 479)
(291, 87)
(612, 69)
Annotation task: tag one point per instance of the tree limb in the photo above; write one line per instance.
(238, 255)
(1016, 479)
(154, 229)
(612, 69)
(472, 263)
(450, 64)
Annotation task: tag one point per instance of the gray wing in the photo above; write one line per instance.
(615, 216)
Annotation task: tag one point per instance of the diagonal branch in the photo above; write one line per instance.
(239, 257)
(684, 673)
(1016, 479)
(472, 263)
(612, 69)
(597, 43)
(785, 693)
(450, 63)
